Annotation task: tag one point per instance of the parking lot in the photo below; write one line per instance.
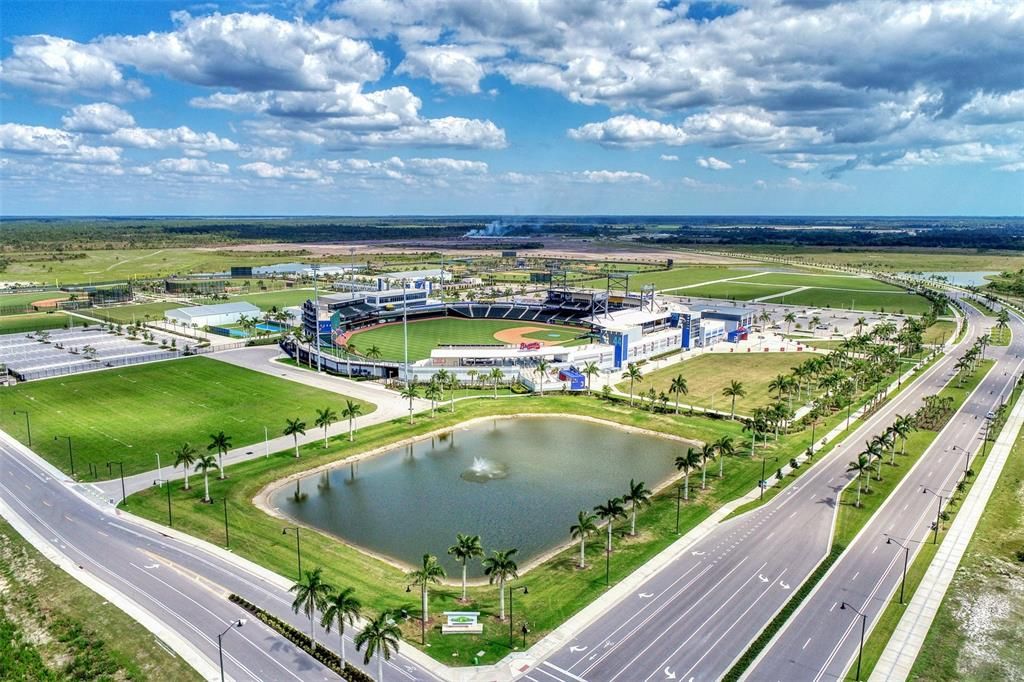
(58, 352)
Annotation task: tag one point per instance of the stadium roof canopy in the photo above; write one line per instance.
(196, 312)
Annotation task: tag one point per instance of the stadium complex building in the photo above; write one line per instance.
(614, 329)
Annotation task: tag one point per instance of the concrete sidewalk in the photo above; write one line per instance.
(899, 655)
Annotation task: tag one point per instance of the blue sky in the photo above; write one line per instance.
(512, 106)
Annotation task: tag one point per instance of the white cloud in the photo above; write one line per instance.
(25, 139)
(669, 157)
(447, 65)
(700, 185)
(610, 177)
(182, 136)
(629, 131)
(711, 163)
(101, 117)
(186, 166)
(58, 67)
(1015, 167)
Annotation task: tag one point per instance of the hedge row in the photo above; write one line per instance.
(758, 645)
(303, 641)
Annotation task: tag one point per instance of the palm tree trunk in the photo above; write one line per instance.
(704, 475)
(296, 437)
(426, 613)
(501, 600)
(583, 556)
(351, 435)
(677, 403)
(609, 545)
(632, 527)
(733, 415)
(220, 462)
(380, 667)
(631, 392)
(341, 636)
(325, 435)
(721, 466)
(206, 485)
(186, 478)
(312, 630)
(686, 486)
(463, 580)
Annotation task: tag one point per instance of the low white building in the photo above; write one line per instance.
(212, 315)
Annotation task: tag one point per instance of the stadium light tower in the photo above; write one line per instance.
(315, 267)
(405, 328)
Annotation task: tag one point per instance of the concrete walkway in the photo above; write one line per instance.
(900, 653)
(389, 406)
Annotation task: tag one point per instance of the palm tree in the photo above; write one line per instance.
(734, 390)
(204, 463)
(789, 319)
(466, 547)
(295, 428)
(431, 572)
(373, 353)
(311, 593)
(633, 374)
(723, 446)
(433, 394)
(686, 463)
(502, 567)
(324, 418)
(445, 381)
(185, 457)
(903, 427)
(542, 368)
(638, 496)
(381, 637)
(221, 443)
(410, 391)
(861, 465)
(496, 375)
(590, 370)
(860, 325)
(340, 607)
(351, 411)
(581, 530)
(707, 452)
(678, 387)
(778, 384)
(608, 512)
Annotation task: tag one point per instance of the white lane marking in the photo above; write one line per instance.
(806, 643)
(564, 672)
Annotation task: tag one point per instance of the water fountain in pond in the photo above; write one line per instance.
(484, 470)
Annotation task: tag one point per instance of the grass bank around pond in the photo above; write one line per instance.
(53, 627)
(557, 589)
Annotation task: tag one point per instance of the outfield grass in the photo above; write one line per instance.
(28, 298)
(557, 589)
(126, 314)
(706, 376)
(740, 290)
(131, 413)
(425, 335)
(53, 627)
(824, 281)
(18, 324)
(276, 299)
(891, 302)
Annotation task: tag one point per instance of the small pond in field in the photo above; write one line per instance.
(515, 482)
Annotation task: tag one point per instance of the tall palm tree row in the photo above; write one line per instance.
(466, 547)
(295, 428)
(501, 567)
(380, 637)
(350, 412)
(185, 457)
(324, 419)
(608, 512)
(311, 594)
(734, 390)
(204, 463)
(634, 375)
(584, 527)
(430, 572)
(686, 463)
(220, 443)
(339, 608)
(677, 388)
(636, 497)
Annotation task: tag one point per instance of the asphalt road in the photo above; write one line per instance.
(691, 620)
(821, 641)
(182, 586)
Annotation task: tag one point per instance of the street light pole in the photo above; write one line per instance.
(227, 536)
(166, 484)
(298, 546)
(220, 643)
(423, 616)
(938, 512)
(71, 455)
(316, 305)
(906, 560)
(764, 481)
(967, 459)
(110, 470)
(510, 591)
(28, 425)
(863, 627)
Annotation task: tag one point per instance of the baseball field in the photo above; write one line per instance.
(425, 335)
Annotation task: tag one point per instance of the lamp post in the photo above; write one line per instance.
(423, 616)
(316, 305)
(159, 469)
(166, 484)
(984, 440)
(526, 631)
(942, 495)
(28, 424)
(764, 481)
(906, 559)
(110, 470)
(863, 627)
(220, 643)
(510, 591)
(71, 455)
(298, 546)
(967, 459)
(679, 498)
(227, 536)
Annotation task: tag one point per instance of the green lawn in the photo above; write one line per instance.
(824, 281)
(679, 277)
(939, 331)
(740, 290)
(17, 324)
(557, 590)
(279, 299)
(892, 302)
(976, 634)
(425, 335)
(706, 376)
(28, 298)
(126, 314)
(131, 413)
(53, 627)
